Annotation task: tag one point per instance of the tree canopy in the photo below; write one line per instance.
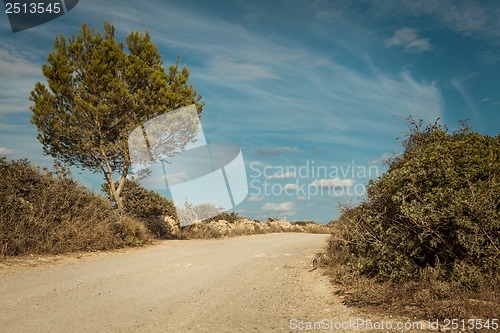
(98, 92)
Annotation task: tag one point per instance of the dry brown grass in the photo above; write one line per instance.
(426, 297)
(43, 212)
(243, 226)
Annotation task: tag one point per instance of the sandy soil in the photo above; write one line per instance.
(263, 283)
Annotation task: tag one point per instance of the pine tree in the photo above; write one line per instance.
(98, 92)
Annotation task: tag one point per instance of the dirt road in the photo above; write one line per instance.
(261, 283)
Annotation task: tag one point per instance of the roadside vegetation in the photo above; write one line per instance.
(228, 225)
(49, 212)
(44, 211)
(159, 216)
(426, 241)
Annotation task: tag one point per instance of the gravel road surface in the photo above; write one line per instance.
(262, 283)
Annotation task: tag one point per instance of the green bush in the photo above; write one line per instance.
(437, 205)
(48, 212)
(143, 203)
(148, 206)
(229, 217)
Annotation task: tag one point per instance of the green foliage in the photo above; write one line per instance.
(98, 93)
(143, 203)
(148, 206)
(437, 205)
(47, 212)
(229, 217)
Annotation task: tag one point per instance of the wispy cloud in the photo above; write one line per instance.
(291, 187)
(268, 92)
(276, 150)
(407, 39)
(332, 182)
(469, 17)
(383, 158)
(232, 70)
(477, 19)
(176, 178)
(19, 76)
(280, 175)
(7, 151)
(235, 67)
(255, 198)
(279, 207)
(489, 58)
(14, 64)
(458, 84)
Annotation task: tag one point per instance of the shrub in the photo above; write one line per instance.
(133, 232)
(229, 217)
(48, 212)
(214, 228)
(148, 206)
(143, 203)
(438, 203)
(312, 227)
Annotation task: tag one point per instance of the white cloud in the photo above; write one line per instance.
(321, 118)
(349, 110)
(458, 84)
(407, 38)
(285, 175)
(301, 198)
(332, 182)
(383, 158)
(470, 18)
(466, 18)
(19, 76)
(279, 207)
(6, 151)
(20, 140)
(14, 64)
(178, 177)
(255, 198)
(291, 187)
(226, 68)
(228, 57)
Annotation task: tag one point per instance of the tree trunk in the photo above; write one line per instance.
(123, 178)
(115, 194)
(114, 191)
(119, 202)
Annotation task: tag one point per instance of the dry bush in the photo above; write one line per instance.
(241, 226)
(425, 297)
(51, 213)
(313, 227)
(206, 230)
(149, 207)
(132, 231)
(162, 226)
(277, 225)
(427, 237)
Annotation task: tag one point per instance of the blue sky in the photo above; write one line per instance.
(314, 92)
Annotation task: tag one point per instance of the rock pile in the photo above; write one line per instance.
(242, 226)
